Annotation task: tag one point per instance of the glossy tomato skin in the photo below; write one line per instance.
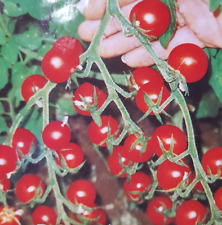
(81, 192)
(153, 92)
(56, 135)
(190, 212)
(86, 90)
(27, 187)
(8, 216)
(170, 174)
(140, 183)
(113, 161)
(155, 210)
(144, 75)
(170, 136)
(134, 153)
(23, 140)
(72, 154)
(190, 60)
(44, 215)
(5, 185)
(212, 161)
(32, 85)
(8, 159)
(218, 198)
(152, 16)
(109, 126)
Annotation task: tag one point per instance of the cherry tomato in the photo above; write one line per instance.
(8, 161)
(171, 137)
(134, 150)
(190, 212)
(170, 175)
(32, 85)
(72, 154)
(68, 44)
(56, 135)
(153, 16)
(153, 92)
(156, 209)
(144, 75)
(138, 186)
(8, 216)
(27, 187)
(190, 60)
(86, 91)
(98, 134)
(81, 192)
(115, 167)
(212, 161)
(94, 216)
(44, 215)
(23, 140)
(5, 185)
(218, 198)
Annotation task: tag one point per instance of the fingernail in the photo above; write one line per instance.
(123, 58)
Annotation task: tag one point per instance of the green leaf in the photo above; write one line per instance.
(209, 105)
(43, 49)
(3, 125)
(2, 108)
(165, 38)
(65, 106)
(65, 20)
(31, 39)
(2, 37)
(12, 9)
(216, 75)
(10, 52)
(3, 73)
(38, 9)
(214, 4)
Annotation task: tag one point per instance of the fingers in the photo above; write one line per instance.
(140, 57)
(206, 26)
(95, 9)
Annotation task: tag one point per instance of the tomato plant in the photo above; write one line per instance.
(44, 215)
(29, 187)
(152, 16)
(5, 185)
(56, 135)
(218, 199)
(8, 216)
(158, 210)
(190, 60)
(190, 212)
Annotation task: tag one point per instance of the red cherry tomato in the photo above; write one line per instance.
(171, 137)
(144, 75)
(152, 16)
(137, 187)
(153, 92)
(27, 187)
(8, 216)
(190, 212)
(218, 198)
(56, 135)
(8, 161)
(86, 91)
(190, 60)
(31, 85)
(81, 192)
(23, 140)
(98, 134)
(5, 185)
(156, 209)
(212, 161)
(72, 154)
(44, 215)
(115, 167)
(170, 175)
(133, 149)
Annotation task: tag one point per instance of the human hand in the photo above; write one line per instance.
(196, 24)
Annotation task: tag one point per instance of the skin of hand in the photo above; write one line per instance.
(196, 24)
